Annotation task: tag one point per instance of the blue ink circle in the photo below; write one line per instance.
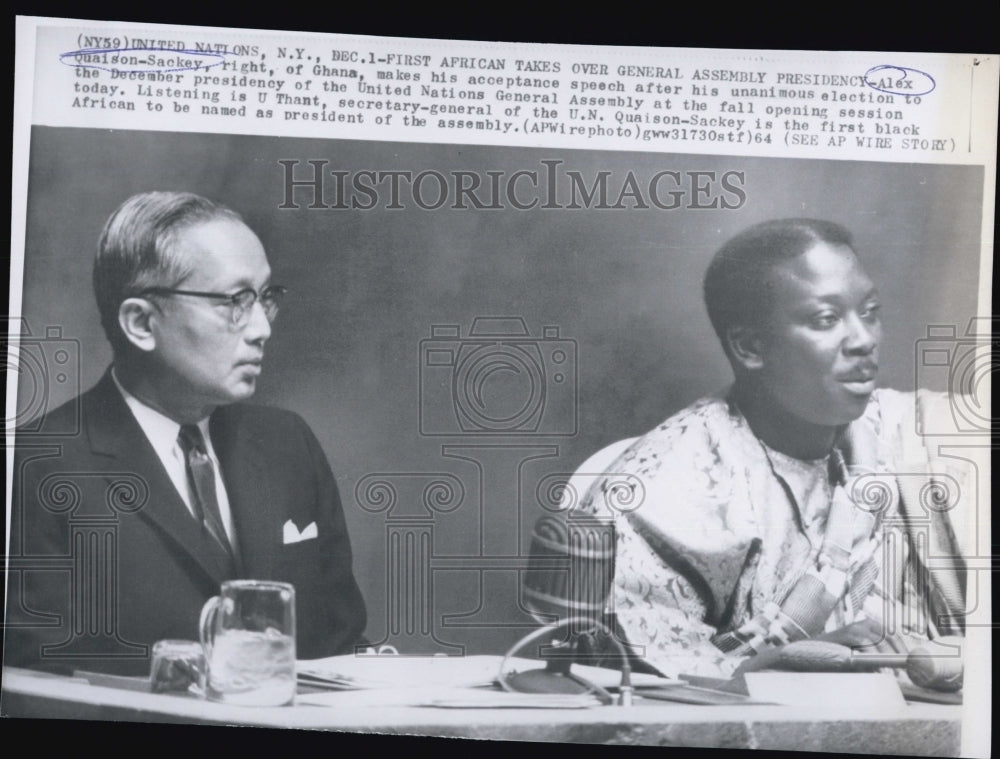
(63, 58)
(904, 70)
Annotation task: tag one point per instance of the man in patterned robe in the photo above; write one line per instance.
(801, 503)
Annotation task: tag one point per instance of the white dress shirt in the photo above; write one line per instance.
(162, 432)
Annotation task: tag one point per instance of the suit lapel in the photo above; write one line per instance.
(241, 454)
(113, 431)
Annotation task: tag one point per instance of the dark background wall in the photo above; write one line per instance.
(622, 287)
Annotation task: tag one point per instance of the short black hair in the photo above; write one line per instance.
(136, 249)
(738, 279)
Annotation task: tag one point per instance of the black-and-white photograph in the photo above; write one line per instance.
(504, 442)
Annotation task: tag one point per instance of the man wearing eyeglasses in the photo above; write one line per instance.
(194, 486)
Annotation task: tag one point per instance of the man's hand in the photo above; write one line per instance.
(867, 635)
(767, 659)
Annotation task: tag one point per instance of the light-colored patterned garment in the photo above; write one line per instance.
(723, 526)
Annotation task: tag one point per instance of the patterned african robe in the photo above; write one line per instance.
(714, 528)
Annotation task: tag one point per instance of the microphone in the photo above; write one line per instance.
(930, 665)
(570, 569)
(567, 584)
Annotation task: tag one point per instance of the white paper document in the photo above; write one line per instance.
(439, 299)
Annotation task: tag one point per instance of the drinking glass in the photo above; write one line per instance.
(248, 633)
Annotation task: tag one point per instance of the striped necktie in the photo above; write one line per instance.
(201, 483)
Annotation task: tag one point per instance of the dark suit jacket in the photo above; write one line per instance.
(106, 559)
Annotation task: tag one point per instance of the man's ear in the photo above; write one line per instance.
(745, 346)
(134, 316)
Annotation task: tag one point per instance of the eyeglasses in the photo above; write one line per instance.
(240, 303)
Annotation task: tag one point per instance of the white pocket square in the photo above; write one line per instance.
(291, 534)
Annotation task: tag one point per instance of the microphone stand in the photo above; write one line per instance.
(557, 677)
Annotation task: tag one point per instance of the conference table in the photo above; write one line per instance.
(918, 729)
